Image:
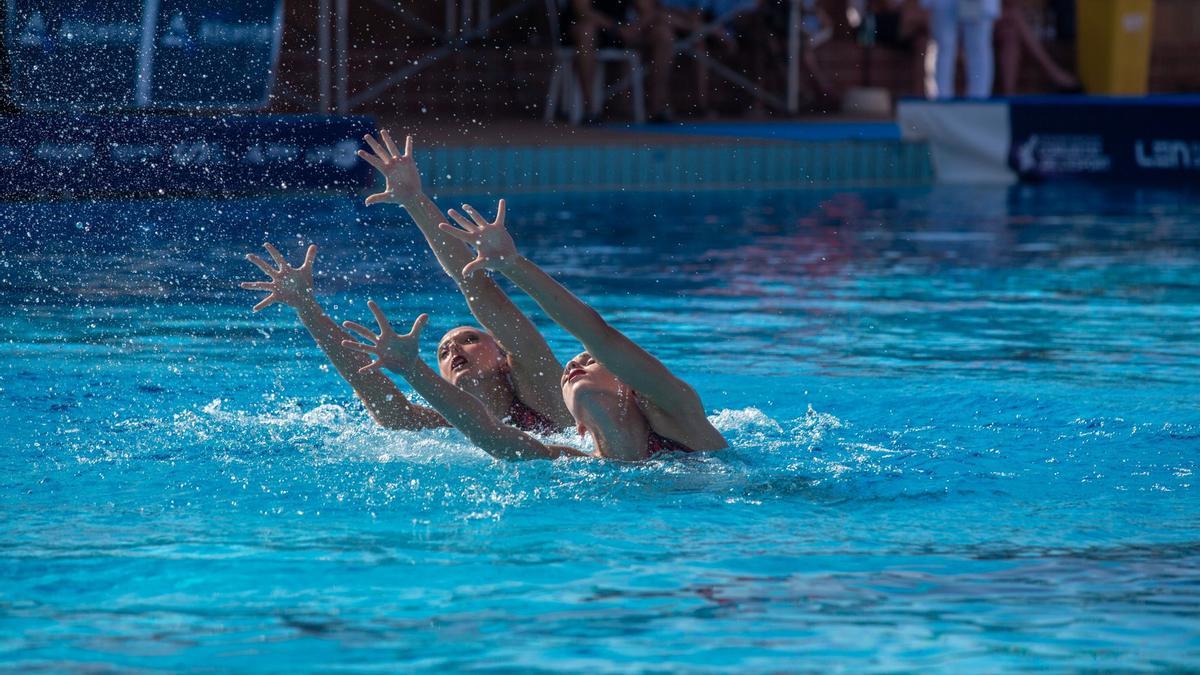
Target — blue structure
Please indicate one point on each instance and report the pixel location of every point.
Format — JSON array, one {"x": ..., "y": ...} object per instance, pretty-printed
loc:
[
  {"x": 163, "y": 154},
  {"x": 1149, "y": 139},
  {"x": 92, "y": 81},
  {"x": 163, "y": 54}
]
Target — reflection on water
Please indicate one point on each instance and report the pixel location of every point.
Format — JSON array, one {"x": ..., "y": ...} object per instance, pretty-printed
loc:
[{"x": 963, "y": 428}]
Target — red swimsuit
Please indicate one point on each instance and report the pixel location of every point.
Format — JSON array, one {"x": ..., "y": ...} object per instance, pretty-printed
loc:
[
  {"x": 525, "y": 418},
  {"x": 656, "y": 444}
]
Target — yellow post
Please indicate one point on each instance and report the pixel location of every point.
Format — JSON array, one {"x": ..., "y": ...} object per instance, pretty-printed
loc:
[{"x": 1113, "y": 45}]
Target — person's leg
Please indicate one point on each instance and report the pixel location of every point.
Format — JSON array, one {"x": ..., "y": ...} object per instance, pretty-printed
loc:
[
  {"x": 822, "y": 90},
  {"x": 1008, "y": 53},
  {"x": 683, "y": 23},
  {"x": 702, "y": 98},
  {"x": 944, "y": 26},
  {"x": 660, "y": 41},
  {"x": 755, "y": 35},
  {"x": 654, "y": 37},
  {"x": 701, "y": 49},
  {"x": 977, "y": 46},
  {"x": 585, "y": 33},
  {"x": 914, "y": 30},
  {"x": 1023, "y": 37}
]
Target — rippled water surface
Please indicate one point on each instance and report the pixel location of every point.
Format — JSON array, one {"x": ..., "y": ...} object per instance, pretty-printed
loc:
[{"x": 964, "y": 424}]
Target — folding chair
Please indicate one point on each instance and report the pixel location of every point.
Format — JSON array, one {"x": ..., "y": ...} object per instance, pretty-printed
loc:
[{"x": 565, "y": 92}]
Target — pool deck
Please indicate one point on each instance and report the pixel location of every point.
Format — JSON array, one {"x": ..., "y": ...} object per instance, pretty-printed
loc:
[
  {"x": 534, "y": 132},
  {"x": 528, "y": 156},
  {"x": 264, "y": 153}
]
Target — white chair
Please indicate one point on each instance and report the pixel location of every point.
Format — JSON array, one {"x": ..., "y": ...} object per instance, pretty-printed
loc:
[{"x": 565, "y": 92}]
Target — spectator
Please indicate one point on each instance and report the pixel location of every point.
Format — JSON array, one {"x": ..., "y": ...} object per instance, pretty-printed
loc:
[
  {"x": 903, "y": 25},
  {"x": 765, "y": 26},
  {"x": 688, "y": 17},
  {"x": 759, "y": 28},
  {"x": 640, "y": 24},
  {"x": 816, "y": 28},
  {"x": 1013, "y": 37},
  {"x": 974, "y": 19},
  {"x": 704, "y": 25}
]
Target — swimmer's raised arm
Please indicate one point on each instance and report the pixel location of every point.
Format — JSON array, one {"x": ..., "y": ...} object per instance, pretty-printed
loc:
[
  {"x": 535, "y": 370},
  {"x": 626, "y": 359},
  {"x": 293, "y": 286},
  {"x": 399, "y": 353}
]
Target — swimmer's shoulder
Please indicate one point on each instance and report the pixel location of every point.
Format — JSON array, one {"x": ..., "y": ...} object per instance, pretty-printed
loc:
[{"x": 690, "y": 428}]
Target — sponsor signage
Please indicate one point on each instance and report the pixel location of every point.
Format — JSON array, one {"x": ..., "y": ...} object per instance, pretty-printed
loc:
[
  {"x": 106, "y": 55},
  {"x": 1147, "y": 139},
  {"x": 215, "y": 53},
  {"x": 167, "y": 154},
  {"x": 73, "y": 55}
]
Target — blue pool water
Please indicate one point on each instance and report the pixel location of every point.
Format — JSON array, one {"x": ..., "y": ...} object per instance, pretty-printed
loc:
[{"x": 964, "y": 424}]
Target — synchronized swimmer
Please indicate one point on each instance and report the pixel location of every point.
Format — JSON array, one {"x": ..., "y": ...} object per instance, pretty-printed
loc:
[{"x": 495, "y": 385}]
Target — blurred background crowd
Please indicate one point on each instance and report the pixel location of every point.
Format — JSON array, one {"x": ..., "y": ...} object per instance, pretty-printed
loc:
[{"x": 586, "y": 61}]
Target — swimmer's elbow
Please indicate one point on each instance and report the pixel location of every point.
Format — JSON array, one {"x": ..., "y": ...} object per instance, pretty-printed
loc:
[
  {"x": 404, "y": 424},
  {"x": 711, "y": 440},
  {"x": 386, "y": 418},
  {"x": 580, "y": 318},
  {"x": 510, "y": 453},
  {"x": 601, "y": 334},
  {"x": 412, "y": 418},
  {"x": 517, "y": 449}
]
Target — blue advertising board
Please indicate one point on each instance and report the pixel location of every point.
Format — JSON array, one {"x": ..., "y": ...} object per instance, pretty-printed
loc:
[
  {"x": 78, "y": 155},
  {"x": 1143, "y": 139},
  {"x": 1151, "y": 139},
  {"x": 67, "y": 55},
  {"x": 214, "y": 53},
  {"x": 106, "y": 55}
]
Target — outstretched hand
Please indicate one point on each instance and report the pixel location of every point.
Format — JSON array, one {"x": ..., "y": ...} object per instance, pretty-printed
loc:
[
  {"x": 289, "y": 285},
  {"x": 494, "y": 246},
  {"x": 403, "y": 181},
  {"x": 391, "y": 350}
]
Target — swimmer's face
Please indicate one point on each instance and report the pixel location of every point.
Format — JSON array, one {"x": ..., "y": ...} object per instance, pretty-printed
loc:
[
  {"x": 467, "y": 352},
  {"x": 584, "y": 376}
]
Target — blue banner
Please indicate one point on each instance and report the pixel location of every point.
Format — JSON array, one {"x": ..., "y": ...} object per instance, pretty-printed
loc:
[
  {"x": 69, "y": 55},
  {"x": 1154, "y": 139},
  {"x": 214, "y": 53},
  {"x": 50, "y": 155},
  {"x": 106, "y": 55}
]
